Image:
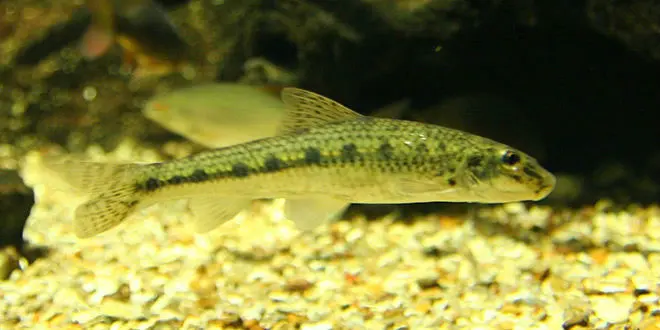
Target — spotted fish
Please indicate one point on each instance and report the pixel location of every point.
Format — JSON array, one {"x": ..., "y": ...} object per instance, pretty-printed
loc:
[{"x": 323, "y": 158}]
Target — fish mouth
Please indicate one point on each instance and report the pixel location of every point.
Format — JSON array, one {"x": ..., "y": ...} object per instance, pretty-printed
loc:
[{"x": 546, "y": 186}]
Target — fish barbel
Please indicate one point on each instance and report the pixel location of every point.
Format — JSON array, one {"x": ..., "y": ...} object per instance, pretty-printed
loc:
[{"x": 324, "y": 157}]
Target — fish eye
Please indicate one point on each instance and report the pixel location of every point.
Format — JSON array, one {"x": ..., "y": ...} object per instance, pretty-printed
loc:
[{"x": 511, "y": 158}]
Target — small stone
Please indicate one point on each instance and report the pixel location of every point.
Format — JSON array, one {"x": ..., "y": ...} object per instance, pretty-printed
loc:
[
  {"x": 279, "y": 296},
  {"x": 253, "y": 312},
  {"x": 120, "y": 310},
  {"x": 85, "y": 316},
  {"x": 610, "y": 310},
  {"x": 649, "y": 298},
  {"x": 609, "y": 286},
  {"x": 515, "y": 208},
  {"x": 428, "y": 279},
  {"x": 649, "y": 324},
  {"x": 316, "y": 326}
]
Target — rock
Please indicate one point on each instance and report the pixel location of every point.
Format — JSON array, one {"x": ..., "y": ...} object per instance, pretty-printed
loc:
[
  {"x": 16, "y": 201},
  {"x": 8, "y": 261},
  {"x": 632, "y": 22}
]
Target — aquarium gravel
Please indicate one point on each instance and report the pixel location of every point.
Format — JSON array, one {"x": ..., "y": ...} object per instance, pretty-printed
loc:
[{"x": 512, "y": 266}]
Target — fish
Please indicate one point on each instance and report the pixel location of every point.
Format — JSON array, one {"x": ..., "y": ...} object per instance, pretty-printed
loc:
[
  {"x": 323, "y": 158},
  {"x": 221, "y": 114},
  {"x": 151, "y": 43},
  {"x": 217, "y": 115}
]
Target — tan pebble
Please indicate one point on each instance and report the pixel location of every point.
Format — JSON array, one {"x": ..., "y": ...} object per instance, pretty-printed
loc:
[
  {"x": 295, "y": 319},
  {"x": 609, "y": 309},
  {"x": 605, "y": 285},
  {"x": 510, "y": 309},
  {"x": 506, "y": 325},
  {"x": 599, "y": 255},
  {"x": 448, "y": 222},
  {"x": 650, "y": 324},
  {"x": 207, "y": 302},
  {"x": 575, "y": 316},
  {"x": 298, "y": 285},
  {"x": 279, "y": 296},
  {"x": 423, "y": 307},
  {"x": 252, "y": 325},
  {"x": 120, "y": 310},
  {"x": 515, "y": 208},
  {"x": 636, "y": 316},
  {"x": 58, "y": 319},
  {"x": 317, "y": 326},
  {"x": 649, "y": 298},
  {"x": 641, "y": 282}
]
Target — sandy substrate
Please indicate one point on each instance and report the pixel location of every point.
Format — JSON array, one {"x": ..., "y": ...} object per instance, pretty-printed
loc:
[{"x": 502, "y": 267}]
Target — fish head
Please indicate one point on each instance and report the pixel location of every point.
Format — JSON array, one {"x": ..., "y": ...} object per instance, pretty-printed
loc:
[{"x": 501, "y": 174}]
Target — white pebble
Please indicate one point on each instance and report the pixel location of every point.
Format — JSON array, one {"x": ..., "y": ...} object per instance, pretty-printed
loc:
[
  {"x": 316, "y": 326},
  {"x": 610, "y": 310}
]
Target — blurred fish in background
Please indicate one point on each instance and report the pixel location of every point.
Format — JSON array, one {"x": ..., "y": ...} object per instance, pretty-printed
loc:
[{"x": 218, "y": 114}]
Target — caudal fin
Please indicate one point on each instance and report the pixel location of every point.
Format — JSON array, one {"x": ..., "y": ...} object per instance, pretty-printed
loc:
[{"x": 112, "y": 188}]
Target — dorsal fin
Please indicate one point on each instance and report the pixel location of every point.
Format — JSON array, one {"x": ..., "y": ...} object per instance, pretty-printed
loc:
[{"x": 305, "y": 109}]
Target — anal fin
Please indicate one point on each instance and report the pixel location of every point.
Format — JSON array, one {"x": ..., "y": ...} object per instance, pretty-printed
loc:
[
  {"x": 212, "y": 211},
  {"x": 310, "y": 213}
]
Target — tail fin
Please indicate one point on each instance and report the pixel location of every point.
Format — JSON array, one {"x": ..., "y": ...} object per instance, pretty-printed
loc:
[{"x": 112, "y": 188}]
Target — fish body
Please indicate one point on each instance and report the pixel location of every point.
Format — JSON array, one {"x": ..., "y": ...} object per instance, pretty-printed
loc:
[
  {"x": 218, "y": 114},
  {"x": 324, "y": 157}
]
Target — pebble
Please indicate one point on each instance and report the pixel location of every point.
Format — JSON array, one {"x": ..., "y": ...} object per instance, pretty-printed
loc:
[
  {"x": 610, "y": 309},
  {"x": 121, "y": 310},
  {"x": 316, "y": 326}
]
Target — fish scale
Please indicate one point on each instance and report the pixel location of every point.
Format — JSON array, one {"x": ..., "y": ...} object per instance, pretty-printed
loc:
[{"x": 325, "y": 157}]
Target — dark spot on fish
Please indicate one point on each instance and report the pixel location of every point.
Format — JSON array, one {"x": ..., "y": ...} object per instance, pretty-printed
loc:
[
  {"x": 532, "y": 173},
  {"x": 198, "y": 175},
  {"x": 518, "y": 178},
  {"x": 421, "y": 148},
  {"x": 240, "y": 170},
  {"x": 474, "y": 161},
  {"x": 386, "y": 151},
  {"x": 349, "y": 152},
  {"x": 451, "y": 182},
  {"x": 273, "y": 164},
  {"x": 442, "y": 146},
  {"x": 300, "y": 130},
  {"x": 451, "y": 169},
  {"x": 177, "y": 179},
  {"x": 312, "y": 156},
  {"x": 152, "y": 184}
]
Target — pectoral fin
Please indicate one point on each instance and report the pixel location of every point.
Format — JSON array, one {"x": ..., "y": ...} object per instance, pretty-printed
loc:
[
  {"x": 212, "y": 211},
  {"x": 308, "y": 214}
]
